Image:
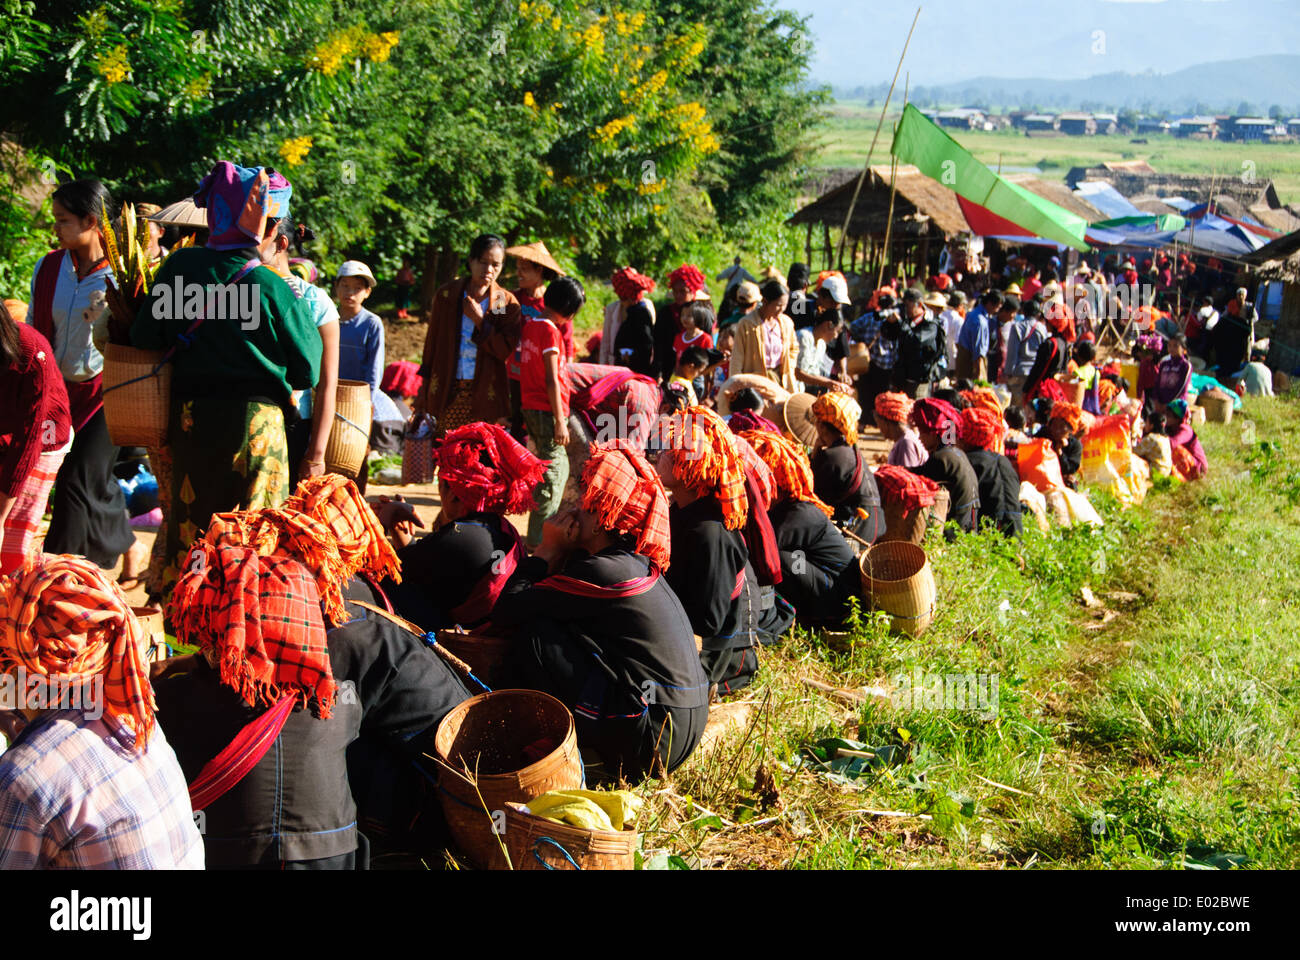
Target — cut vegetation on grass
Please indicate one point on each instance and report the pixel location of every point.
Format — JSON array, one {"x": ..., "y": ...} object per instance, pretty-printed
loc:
[{"x": 1129, "y": 693}]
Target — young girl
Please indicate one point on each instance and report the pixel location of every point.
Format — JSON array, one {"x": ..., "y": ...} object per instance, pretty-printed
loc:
[
  {"x": 1188, "y": 454},
  {"x": 89, "y": 509},
  {"x": 892, "y": 413}
]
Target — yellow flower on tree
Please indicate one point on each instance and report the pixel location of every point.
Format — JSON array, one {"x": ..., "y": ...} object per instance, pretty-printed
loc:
[
  {"x": 377, "y": 46},
  {"x": 529, "y": 101},
  {"x": 114, "y": 66},
  {"x": 294, "y": 150},
  {"x": 329, "y": 55}
]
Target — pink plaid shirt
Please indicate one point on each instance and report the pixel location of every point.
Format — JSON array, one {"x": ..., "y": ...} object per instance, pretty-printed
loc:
[{"x": 74, "y": 796}]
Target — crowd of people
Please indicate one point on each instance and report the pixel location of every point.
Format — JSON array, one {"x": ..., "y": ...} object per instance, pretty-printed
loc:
[{"x": 730, "y": 499}]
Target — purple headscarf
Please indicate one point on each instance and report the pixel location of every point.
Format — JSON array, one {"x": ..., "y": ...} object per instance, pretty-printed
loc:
[
  {"x": 239, "y": 201},
  {"x": 749, "y": 420}
]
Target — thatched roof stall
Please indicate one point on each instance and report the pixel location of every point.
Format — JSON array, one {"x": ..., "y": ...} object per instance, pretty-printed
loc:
[{"x": 924, "y": 211}]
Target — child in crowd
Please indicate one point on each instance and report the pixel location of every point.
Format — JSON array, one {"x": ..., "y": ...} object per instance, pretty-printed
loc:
[
  {"x": 405, "y": 281},
  {"x": 1184, "y": 446},
  {"x": 936, "y": 424},
  {"x": 696, "y": 321},
  {"x": 1015, "y": 436},
  {"x": 545, "y": 394},
  {"x": 361, "y": 333},
  {"x": 892, "y": 413},
  {"x": 691, "y": 363},
  {"x": 1064, "y": 425},
  {"x": 721, "y": 372}
]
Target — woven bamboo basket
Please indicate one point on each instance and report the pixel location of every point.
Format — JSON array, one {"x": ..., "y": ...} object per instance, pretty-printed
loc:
[
  {"x": 136, "y": 400},
  {"x": 897, "y": 578},
  {"x": 910, "y": 526},
  {"x": 1074, "y": 390},
  {"x": 484, "y": 652},
  {"x": 479, "y": 747},
  {"x": 536, "y": 843},
  {"x": 1218, "y": 406},
  {"x": 345, "y": 451}
]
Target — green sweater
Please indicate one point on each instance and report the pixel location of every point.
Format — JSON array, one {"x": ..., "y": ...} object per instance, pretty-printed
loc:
[{"x": 258, "y": 341}]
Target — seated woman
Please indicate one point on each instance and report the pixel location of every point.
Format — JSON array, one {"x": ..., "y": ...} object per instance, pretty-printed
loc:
[
  {"x": 892, "y": 413},
  {"x": 1184, "y": 446},
  {"x": 979, "y": 434},
  {"x": 818, "y": 573},
  {"x": 263, "y": 686},
  {"x": 1064, "y": 426},
  {"x": 936, "y": 424},
  {"x": 601, "y": 629},
  {"x": 841, "y": 477},
  {"x": 704, "y": 471},
  {"x": 455, "y": 574}
]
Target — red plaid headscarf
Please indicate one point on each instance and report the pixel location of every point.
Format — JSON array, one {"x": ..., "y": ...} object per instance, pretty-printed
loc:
[
  {"x": 1050, "y": 388},
  {"x": 283, "y": 532},
  {"x": 708, "y": 460},
  {"x": 935, "y": 415},
  {"x": 839, "y": 410},
  {"x": 259, "y": 618},
  {"x": 628, "y": 284},
  {"x": 624, "y": 493},
  {"x": 488, "y": 469},
  {"x": 691, "y": 276},
  {"x": 62, "y": 617},
  {"x": 789, "y": 465},
  {"x": 902, "y": 486},
  {"x": 896, "y": 407},
  {"x": 336, "y": 502},
  {"x": 981, "y": 427},
  {"x": 1071, "y": 413}
]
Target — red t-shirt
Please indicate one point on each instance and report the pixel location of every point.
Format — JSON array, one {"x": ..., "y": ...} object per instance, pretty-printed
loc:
[
  {"x": 700, "y": 339},
  {"x": 541, "y": 337}
]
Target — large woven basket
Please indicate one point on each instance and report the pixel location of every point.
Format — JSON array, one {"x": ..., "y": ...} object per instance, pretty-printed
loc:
[
  {"x": 136, "y": 399},
  {"x": 479, "y": 752},
  {"x": 1217, "y": 404},
  {"x": 897, "y": 578},
  {"x": 345, "y": 451},
  {"x": 484, "y": 652},
  {"x": 536, "y": 843}
]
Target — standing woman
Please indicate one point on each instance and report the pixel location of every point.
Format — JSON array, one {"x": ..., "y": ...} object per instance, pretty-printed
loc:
[
  {"x": 765, "y": 343},
  {"x": 632, "y": 347},
  {"x": 35, "y": 432},
  {"x": 89, "y": 509},
  {"x": 534, "y": 268},
  {"x": 472, "y": 336}
]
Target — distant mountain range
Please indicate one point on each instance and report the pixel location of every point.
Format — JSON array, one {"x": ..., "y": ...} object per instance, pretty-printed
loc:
[{"x": 1259, "y": 83}]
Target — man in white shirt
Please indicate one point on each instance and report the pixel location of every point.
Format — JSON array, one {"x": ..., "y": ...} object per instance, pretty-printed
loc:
[
  {"x": 952, "y": 319},
  {"x": 734, "y": 275}
]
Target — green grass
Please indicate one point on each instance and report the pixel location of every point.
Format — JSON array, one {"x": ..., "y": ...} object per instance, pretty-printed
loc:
[
  {"x": 850, "y": 125},
  {"x": 1166, "y": 738}
]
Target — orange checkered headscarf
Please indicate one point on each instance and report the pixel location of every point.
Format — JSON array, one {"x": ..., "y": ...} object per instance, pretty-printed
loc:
[
  {"x": 624, "y": 493},
  {"x": 1071, "y": 413},
  {"x": 61, "y": 617},
  {"x": 707, "y": 460},
  {"x": 789, "y": 466},
  {"x": 983, "y": 397},
  {"x": 839, "y": 410},
  {"x": 488, "y": 469},
  {"x": 896, "y": 407},
  {"x": 982, "y": 428},
  {"x": 759, "y": 471},
  {"x": 259, "y": 619},
  {"x": 1107, "y": 391},
  {"x": 336, "y": 502},
  {"x": 276, "y": 531}
]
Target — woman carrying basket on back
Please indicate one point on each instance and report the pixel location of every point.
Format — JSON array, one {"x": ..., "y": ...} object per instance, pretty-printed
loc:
[{"x": 235, "y": 366}]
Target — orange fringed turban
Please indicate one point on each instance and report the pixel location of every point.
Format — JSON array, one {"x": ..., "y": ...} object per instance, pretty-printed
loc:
[
  {"x": 706, "y": 459},
  {"x": 789, "y": 466},
  {"x": 624, "y": 493}
]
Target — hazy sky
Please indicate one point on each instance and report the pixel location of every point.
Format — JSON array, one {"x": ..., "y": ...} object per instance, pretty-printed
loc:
[{"x": 858, "y": 41}]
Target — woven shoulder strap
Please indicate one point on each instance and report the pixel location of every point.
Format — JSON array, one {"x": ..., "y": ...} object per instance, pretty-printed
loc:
[{"x": 453, "y": 661}]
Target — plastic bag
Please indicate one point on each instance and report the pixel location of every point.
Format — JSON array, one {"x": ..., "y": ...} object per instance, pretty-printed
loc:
[
  {"x": 1154, "y": 449},
  {"x": 1038, "y": 464}
]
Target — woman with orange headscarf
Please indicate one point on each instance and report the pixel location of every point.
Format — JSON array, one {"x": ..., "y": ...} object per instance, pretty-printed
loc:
[
  {"x": 598, "y": 627},
  {"x": 89, "y": 780},
  {"x": 841, "y": 476},
  {"x": 703, "y": 469},
  {"x": 817, "y": 570}
]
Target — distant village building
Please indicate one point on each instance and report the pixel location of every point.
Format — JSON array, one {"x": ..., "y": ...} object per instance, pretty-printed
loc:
[
  {"x": 1039, "y": 123},
  {"x": 1152, "y": 125},
  {"x": 1077, "y": 124},
  {"x": 1293, "y": 127},
  {"x": 1199, "y": 127},
  {"x": 965, "y": 118},
  {"x": 1107, "y": 123},
  {"x": 1252, "y": 128}
]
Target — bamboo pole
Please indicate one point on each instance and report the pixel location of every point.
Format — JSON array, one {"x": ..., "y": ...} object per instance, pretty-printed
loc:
[
  {"x": 866, "y": 167},
  {"x": 889, "y": 221}
]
